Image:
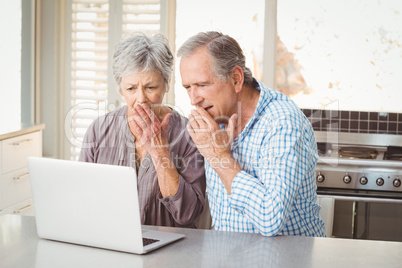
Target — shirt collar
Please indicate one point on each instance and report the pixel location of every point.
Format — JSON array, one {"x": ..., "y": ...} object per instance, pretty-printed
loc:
[{"x": 263, "y": 101}]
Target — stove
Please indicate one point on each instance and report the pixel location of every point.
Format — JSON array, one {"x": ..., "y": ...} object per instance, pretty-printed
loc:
[
  {"x": 359, "y": 176},
  {"x": 359, "y": 166}
]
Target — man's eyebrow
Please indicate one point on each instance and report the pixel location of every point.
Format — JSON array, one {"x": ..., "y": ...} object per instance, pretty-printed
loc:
[{"x": 199, "y": 83}]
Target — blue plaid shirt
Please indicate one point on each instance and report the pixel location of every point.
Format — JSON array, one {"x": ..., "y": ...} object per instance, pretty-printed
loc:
[{"x": 275, "y": 193}]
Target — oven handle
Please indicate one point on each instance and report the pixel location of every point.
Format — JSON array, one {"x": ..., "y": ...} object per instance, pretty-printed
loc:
[{"x": 363, "y": 199}]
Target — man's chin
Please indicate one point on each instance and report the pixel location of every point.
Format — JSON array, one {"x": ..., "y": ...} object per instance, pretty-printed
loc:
[{"x": 222, "y": 119}]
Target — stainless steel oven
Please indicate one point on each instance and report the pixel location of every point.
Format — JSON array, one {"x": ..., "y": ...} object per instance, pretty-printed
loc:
[{"x": 363, "y": 174}]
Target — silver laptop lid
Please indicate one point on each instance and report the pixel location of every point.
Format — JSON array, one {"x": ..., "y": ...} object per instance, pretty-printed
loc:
[{"x": 86, "y": 203}]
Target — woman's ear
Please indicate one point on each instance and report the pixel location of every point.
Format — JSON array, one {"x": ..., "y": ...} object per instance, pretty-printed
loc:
[{"x": 237, "y": 78}]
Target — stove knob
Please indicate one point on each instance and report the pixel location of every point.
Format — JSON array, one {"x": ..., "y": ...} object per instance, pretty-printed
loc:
[
  {"x": 363, "y": 180},
  {"x": 380, "y": 181},
  {"x": 397, "y": 182},
  {"x": 320, "y": 177},
  {"x": 347, "y": 179}
]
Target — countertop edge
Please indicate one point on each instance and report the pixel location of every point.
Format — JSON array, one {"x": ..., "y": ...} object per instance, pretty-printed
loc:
[{"x": 25, "y": 129}]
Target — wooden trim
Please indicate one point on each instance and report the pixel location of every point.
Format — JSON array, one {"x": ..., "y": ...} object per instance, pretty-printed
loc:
[{"x": 270, "y": 43}]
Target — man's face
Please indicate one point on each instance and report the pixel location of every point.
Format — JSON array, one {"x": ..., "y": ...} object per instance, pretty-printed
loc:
[{"x": 205, "y": 89}]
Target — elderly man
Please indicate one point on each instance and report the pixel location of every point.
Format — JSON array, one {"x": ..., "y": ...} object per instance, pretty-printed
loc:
[{"x": 259, "y": 148}]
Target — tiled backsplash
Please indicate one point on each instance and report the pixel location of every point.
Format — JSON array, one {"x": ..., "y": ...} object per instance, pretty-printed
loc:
[{"x": 355, "y": 122}]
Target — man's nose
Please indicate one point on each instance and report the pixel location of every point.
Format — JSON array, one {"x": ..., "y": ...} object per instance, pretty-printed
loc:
[{"x": 194, "y": 97}]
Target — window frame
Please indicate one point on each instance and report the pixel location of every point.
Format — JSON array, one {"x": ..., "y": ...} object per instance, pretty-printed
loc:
[{"x": 52, "y": 107}]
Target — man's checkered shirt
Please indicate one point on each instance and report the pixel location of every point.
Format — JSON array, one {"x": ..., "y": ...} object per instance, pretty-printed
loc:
[{"x": 275, "y": 193}]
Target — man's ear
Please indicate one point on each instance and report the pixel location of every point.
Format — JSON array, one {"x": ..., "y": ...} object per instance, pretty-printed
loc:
[{"x": 237, "y": 78}]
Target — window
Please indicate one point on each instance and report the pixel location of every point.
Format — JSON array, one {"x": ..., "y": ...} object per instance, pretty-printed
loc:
[
  {"x": 96, "y": 26},
  {"x": 244, "y": 22},
  {"x": 344, "y": 55},
  {"x": 17, "y": 27},
  {"x": 10, "y": 55}
]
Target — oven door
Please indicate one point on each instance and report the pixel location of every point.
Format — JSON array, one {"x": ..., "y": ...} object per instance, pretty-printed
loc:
[{"x": 365, "y": 214}]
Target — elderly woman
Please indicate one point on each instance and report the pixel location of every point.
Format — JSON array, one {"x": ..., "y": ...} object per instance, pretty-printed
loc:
[{"x": 150, "y": 136}]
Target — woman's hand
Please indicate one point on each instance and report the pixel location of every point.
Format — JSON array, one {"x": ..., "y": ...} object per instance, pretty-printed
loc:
[{"x": 152, "y": 133}]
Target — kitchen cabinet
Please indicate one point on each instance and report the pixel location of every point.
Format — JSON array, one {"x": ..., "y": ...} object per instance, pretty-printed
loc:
[{"x": 15, "y": 148}]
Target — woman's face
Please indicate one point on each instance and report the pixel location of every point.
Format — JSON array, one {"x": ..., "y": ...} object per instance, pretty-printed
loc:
[{"x": 143, "y": 88}]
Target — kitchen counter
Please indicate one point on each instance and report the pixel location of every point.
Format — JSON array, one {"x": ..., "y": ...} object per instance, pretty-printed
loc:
[
  {"x": 9, "y": 131},
  {"x": 21, "y": 247}
]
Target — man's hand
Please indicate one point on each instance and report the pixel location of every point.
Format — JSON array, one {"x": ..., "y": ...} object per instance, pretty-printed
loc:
[
  {"x": 210, "y": 139},
  {"x": 215, "y": 144}
]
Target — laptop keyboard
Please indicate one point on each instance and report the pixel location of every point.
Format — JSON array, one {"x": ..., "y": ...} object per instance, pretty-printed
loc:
[{"x": 148, "y": 241}]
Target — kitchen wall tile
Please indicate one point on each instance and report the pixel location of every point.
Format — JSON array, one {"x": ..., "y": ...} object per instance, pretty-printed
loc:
[
  {"x": 345, "y": 124},
  {"x": 307, "y": 112},
  {"x": 373, "y": 126},
  {"x": 392, "y": 127},
  {"x": 335, "y": 123},
  {"x": 363, "y": 125},
  {"x": 335, "y": 114},
  {"x": 355, "y": 121},
  {"x": 382, "y": 127},
  {"x": 373, "y": 116},
  {"x": 399, "y": 127},
  {"x": 316, "y": 125},
  {"x": 354, "y": 125},
  {"x": 364, "y": 115},
  {"x": 316, "y": 114},
  {"x": 383, "y": 116},
  {"x": 393, "y": 117},
  {"x": 345, "y": 115}
]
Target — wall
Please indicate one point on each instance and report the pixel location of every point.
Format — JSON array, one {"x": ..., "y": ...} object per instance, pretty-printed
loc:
[{"x": 49, "y": 95}]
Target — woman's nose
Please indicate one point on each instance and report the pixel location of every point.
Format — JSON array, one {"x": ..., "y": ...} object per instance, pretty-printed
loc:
[{"x": 142, "y": 97}]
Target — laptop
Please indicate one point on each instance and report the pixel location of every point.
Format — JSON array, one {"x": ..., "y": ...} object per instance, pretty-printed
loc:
[{"x": 91, "y": 204}]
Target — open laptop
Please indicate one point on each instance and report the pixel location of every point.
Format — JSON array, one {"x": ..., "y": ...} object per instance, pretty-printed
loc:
[{"x": 91, "y": 204}]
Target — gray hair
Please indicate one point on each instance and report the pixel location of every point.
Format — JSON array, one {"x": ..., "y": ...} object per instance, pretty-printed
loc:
[
  {"x": 225, "y": 53},
  {"x": 138, "y": 52}
]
